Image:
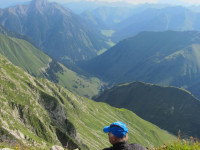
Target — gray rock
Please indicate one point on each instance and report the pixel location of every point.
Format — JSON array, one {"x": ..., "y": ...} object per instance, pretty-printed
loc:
[{"x": 56, "y": 147}]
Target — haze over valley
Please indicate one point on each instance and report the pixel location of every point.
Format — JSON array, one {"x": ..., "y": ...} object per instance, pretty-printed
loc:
[{"x": 69, "y": 68}]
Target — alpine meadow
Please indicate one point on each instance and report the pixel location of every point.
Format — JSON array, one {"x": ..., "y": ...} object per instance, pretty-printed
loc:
[{"x": 69, "y": 69}]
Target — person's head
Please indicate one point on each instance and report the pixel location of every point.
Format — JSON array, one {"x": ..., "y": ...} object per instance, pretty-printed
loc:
[{"x": 117, "y": 132}]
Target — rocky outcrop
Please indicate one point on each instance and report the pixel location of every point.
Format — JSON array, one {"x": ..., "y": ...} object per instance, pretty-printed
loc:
[
  {"x": 56, "y": 147},
  {"x": 31, "y": 114}
]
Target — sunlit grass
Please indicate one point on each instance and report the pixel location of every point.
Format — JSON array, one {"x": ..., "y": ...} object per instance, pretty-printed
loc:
[
  {"x": 181, "y": 144},
  {"x": 107, "y": 33}
]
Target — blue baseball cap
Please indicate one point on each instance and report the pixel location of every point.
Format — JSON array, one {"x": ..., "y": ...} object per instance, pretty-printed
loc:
[{"x": 118, "y": 129}]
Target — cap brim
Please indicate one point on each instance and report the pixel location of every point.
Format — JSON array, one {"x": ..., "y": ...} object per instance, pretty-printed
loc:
[{"x": 106, "y": 129}]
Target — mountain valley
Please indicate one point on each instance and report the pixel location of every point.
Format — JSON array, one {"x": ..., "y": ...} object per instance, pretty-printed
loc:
[
  {"x": 65, "y": 73},
  {"x": 35, "y": 62}
]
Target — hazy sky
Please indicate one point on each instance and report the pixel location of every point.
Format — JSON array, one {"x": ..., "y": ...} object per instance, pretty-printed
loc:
[
  {"x": 140, "y": 1},
  {"x": 4, "y": 3}
]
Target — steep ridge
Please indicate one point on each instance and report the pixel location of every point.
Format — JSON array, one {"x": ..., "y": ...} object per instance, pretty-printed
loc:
[
  {"x": 170, "y": 108},
  {"x": 58, "y": 32},
  {"x": 25, "y": 113},
  {"x": 175, "y": 18},
  {"x": 40, "y": 113},
  {"x": 164, "y": 58},
  {"x": 38, "y": 64}
]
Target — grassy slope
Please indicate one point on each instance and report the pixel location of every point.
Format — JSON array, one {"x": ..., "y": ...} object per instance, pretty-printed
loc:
[
  {"x": 23, "y": 54},
  {"x": 191, "y": 144},
  {"x": 97, "y": 115},
  {"x": 78, "y": 84},
  {"x": 35, "y": 62},
  {"x": 42, "y": 100}
]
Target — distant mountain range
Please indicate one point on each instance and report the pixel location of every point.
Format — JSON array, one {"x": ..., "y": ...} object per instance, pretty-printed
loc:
[
  {"x": 107, "y": 17},
  {"x": 129, "y": 21},
  {"x": 170, "y": 18},
  {"x": 165, "y": 58},
  {"x": 170, "y": 108},
  {"x": 55, "y": 29},
  {"x": 38, "y": 114},
  {"x": 79, "y": 7}
]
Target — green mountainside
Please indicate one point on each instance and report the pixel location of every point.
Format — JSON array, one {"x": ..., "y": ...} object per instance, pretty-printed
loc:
[
  {"x": 23, "y": 54},
  {"x": 165, "y": 58},
  {"x": 40, "y": 113},
  {"x": 58, "y": 32},
  {"x": 36, "y": 63},
  {"x": 170, "y": 108}
]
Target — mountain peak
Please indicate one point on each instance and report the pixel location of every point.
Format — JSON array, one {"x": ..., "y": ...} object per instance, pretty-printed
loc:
[{"x": 39, "y": 3}]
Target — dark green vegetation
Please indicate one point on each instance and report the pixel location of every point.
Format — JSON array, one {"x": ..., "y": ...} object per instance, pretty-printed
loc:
[
  {"x": 165, "y": 58},
  {"x": 58, "y": 32},
  {"x": 170, "y": 108},
  {"x": 38, "y": 64},
  {"x": 40, "y": 113}
]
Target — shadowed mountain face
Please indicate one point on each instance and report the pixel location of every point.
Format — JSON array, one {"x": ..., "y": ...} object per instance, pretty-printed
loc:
[
  {"x": 170, "y": 108},
  {"x": 60, "y": 33},
  {"x": 165, "y": 58}
]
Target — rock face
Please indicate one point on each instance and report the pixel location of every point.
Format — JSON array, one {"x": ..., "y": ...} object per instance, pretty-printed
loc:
[{"x": 56, "y": 147}]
